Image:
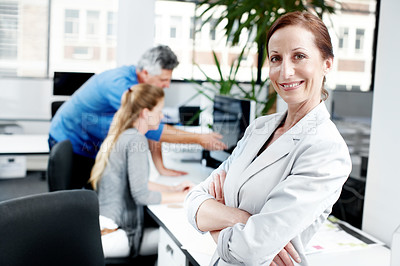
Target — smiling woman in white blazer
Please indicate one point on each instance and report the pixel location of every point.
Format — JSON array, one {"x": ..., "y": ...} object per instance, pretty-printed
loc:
[{"x": 288, "y": 169}]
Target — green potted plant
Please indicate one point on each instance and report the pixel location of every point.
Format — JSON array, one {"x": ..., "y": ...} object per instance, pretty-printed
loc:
[
  {"x": 255, "y": 17},
  {"x": 228, "y": 85}
]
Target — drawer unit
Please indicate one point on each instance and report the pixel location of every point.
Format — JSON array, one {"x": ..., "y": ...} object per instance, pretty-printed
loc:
[
  {"x": 169, "y": 254},
  {"x": 12, "y": 166}
]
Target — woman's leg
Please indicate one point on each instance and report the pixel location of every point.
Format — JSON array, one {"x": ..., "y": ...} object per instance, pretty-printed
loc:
[{"x": 115, "y": 244}]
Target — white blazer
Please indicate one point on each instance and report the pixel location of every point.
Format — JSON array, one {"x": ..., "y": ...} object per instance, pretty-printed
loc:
[{"x": 289, "y": 189}]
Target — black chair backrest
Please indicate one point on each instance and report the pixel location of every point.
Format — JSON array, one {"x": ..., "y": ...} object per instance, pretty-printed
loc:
[
  {"x": 55, "y": 106},
  {"x": 60, "y": 165},
  {"x": 54, "y": 228}
]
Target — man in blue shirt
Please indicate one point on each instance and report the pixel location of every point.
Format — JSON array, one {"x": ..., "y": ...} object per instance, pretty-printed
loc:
[{"x": 86, "y": 117}]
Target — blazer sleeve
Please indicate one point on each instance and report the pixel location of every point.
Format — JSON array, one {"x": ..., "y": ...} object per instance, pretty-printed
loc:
[
  {"x": 296, "y": 203},
  {"x": 200, "y": 193}
]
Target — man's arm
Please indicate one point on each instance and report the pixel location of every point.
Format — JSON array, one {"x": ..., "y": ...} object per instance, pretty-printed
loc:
[
  {"x": 155, "y": 149},
  {"x": 210, "y": 141},
  {"x": 171, "y": 134}
]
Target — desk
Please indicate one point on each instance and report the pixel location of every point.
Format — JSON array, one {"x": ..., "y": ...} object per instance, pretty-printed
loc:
[
  {"x": 23, "y": 144},
  {"x": 175, "y": 229},
  {"x": 181, "y": 244}
]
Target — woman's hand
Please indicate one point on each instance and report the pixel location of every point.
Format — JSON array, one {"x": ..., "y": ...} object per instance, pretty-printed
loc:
[
  {"x": 213, "y": 214},
  {"x": 283, "y": 258},
  {"x": 185, "y": 186},
  {"x": 216, "y": 187}
]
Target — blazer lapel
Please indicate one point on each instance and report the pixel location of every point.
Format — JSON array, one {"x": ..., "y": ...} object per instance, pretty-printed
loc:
[
  {"x": 283, "y": 145},
  {"x": 278, "y": 149},
  {"x": 244, "y": 162},
  {"x": 254, "y": 143}
]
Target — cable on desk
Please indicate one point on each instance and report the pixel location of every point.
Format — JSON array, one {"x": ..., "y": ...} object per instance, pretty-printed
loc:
[{"x": 355, "y": 192}]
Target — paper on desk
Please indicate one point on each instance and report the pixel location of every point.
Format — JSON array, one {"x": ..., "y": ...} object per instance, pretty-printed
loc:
[
  {"x": 331, "y": 237},
  {"x": 204, "y": 244}
]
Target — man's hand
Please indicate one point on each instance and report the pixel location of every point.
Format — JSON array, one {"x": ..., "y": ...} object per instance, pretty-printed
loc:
[
  {"x": 212, "y": 142},
  {"x": 283, "y": 258}
]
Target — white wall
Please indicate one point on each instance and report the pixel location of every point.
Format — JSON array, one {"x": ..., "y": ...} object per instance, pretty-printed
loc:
[{"x": 381, "y": 209}]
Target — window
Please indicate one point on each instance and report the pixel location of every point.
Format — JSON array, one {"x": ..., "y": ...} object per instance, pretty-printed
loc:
[
  {"x": 341, "y": 87},
  {"x": 349, "y": 35},
  {"x": 195, "y": 25},
  {"x": 83, "y": 38},
  {"x": 343, "y": 38},
  {"x": 8, "y": 30},
  {"x": 192, "y": 27},
  {"x": 23, "y": 38},
  {"x": 213, "y": 29},
  {"x": 71, "y": 22},
  {"x": 352, "y": 30},
  {"x": 175, "y": 28},
  {"x": 359, "y": 40},
  {"x": 88, "y": 43},
  {"x": 172, "y": 32},
  {"x": 111, "y": 24},
  {"x": 92, "y": 22},
  {"x": 196, "y": 41},
  {"x": 81, "y": 52},
  {"x": 8, "y": 72}
]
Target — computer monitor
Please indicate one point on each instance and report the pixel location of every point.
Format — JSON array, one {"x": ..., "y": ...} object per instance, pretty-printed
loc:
[
  {"x": 231, "y": 117},
  {"x": 66, "y": 83}
]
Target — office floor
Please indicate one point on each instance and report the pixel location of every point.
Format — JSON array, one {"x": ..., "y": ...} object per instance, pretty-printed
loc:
[{"x": 33, "y": 183}]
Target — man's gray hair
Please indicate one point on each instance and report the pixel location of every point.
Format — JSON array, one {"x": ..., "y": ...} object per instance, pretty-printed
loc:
[{"x": 156, "y": 59}]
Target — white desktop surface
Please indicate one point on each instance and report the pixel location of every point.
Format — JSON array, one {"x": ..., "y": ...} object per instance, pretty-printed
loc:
[
  {"x": 200, "y": 248},
  {"x": 16, "y": 144},
  {"x": 370, "y": 256}
]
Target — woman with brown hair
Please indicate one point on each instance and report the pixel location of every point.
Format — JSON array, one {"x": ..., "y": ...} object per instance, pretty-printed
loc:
[
  {"x": 121, "y": 175},
  {"x": 281, "y": 181}
]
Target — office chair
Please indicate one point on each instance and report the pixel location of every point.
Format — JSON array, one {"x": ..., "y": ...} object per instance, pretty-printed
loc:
[
  {"x": 59, "y": 168},
  {"x": 53, "y": 228},
  {"x": 66, "y": 170}
]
